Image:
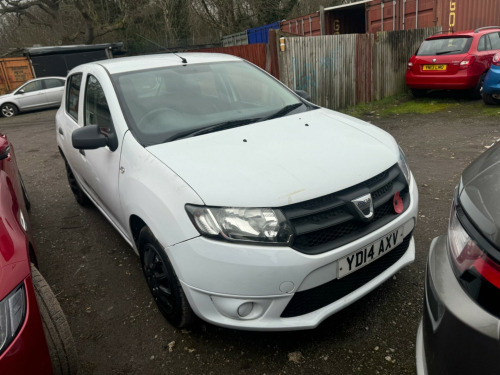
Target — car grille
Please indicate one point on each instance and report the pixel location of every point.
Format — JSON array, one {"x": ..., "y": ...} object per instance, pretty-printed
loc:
[
  {"x": 313, "y": 299},
  {"x": 328, "y": 222}
]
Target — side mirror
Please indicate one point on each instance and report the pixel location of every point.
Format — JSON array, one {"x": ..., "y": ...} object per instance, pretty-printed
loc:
[
  {"x": 88, "y": 138},
  {"x": 303, "y": 94},
  {"x": 20, "y": 92}
]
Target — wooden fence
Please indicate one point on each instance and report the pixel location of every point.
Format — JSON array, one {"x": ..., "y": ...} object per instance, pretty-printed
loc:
[{"x": 342, "y": 70}]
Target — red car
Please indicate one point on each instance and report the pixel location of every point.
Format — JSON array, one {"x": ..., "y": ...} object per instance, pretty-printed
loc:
[
  {"x": 34, "y": 334},
  {"x": 453, "y": 61}
]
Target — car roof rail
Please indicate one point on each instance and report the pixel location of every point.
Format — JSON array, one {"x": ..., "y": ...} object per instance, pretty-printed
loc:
[{"x": 486, "y": 27}]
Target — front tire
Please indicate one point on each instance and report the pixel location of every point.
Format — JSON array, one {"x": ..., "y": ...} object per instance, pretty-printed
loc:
[
  {"x": 163, "y": 282},
  {"x": 8, "y": 110},
  {"x": 475, "y": 93},
  {"x": 490, "y": 100},
  {"x": 62, "y": 348}
]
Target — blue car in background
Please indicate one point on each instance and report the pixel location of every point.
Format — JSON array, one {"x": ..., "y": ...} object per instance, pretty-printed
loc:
[{"x": 491, "y": 86}]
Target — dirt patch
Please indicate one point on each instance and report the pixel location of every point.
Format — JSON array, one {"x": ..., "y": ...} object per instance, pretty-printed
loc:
[{"x": 117, "y": 328}]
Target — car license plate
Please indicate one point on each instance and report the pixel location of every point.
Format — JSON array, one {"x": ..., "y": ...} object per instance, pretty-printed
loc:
[
  {"x": 369, "y": 253},
  {"x": 435, "y": 67}
]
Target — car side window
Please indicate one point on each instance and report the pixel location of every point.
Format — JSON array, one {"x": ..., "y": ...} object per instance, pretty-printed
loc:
[
  {"x": 51, "y": 83},
  {"x": 73, "y": 95},
  {"x": 96, "y": 107},
  {"x": 494, "y": 40},
  {"x": 481, "y": 46},
  {"x": 32, "y": 86}
]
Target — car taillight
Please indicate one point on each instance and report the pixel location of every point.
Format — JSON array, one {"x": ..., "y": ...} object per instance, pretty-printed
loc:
[
  {"x": 410, "y": 65},
  {"x": 476, "y": 270},
  {"x": 467, "y": 62},
  {"x": 496, "y": 59}
]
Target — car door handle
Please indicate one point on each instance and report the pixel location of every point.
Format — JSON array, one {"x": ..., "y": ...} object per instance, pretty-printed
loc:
[
  {"x": 82, "y": 152},
  {"x": 61, "y": 131}
]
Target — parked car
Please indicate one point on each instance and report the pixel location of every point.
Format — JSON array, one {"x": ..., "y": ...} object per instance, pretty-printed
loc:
[
  {"x": 249, "y": 206},
  {"x": 35, "y": 94},
  {"x": 459, "y": 332},
  {"x": 491, "y": 87},
  {"x": 453, "y": 61},
  {"x": 28, "y": 307}
]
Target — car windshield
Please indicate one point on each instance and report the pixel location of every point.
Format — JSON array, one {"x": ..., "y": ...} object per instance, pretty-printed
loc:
[
  {"x": 445, "y": 46},
  {"x": 169, "y": 103}
]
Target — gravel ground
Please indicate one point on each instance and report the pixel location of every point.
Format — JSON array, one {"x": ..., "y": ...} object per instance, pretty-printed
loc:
[{"x": 117, "y": 328}]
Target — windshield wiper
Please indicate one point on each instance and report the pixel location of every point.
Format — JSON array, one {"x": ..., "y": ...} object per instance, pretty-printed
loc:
[
  {"x": 283, "y": 111},
  {"x": 214, "y": 128},
  {"x": 453, "y": 50}
]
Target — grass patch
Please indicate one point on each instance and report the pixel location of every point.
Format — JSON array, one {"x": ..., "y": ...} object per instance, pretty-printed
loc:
[{"x": 402, "y": 104}]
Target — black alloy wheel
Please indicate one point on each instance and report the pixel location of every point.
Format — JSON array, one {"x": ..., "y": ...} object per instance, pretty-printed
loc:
[{"x": 163, "y": 282}]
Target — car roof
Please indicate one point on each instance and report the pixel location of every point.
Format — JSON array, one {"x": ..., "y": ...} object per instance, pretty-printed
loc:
[
  {"x": 466, "y": 33},
  {"x": 127, "y": 64}
]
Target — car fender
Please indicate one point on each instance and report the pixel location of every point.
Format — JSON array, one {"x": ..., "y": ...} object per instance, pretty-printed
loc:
[{"x": 153, "y": 192}]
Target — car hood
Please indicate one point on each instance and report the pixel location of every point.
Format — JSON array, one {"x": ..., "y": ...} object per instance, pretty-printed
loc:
[
  {"x": 480, "y": 189},
  {"x": 280, "y": 161}
]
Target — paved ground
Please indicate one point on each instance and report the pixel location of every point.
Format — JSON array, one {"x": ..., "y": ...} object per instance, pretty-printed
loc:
[{"x": 117, "y": 327}]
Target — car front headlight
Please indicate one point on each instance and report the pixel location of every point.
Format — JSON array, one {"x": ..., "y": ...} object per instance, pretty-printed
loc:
[
  {"x": 403, "y": 165},
  {"x": 12, "y": 313},
  {"x": 260, "y": 225}
]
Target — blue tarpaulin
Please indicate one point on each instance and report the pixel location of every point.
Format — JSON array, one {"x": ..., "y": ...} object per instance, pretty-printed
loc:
[{"x": 261, "y": 34}]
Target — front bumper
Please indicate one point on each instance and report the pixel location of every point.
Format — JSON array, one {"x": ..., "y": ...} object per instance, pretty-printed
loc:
[
  {"x": 28, "y": 352},
  {"x": 219, "y": 277},
  {"x": 457, "y": 336}
]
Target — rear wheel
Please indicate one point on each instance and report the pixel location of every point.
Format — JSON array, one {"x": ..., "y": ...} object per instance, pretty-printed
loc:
[
  {"x": 9, "y": 110},
  {"x": 163, "y": 282},
  {"x": 62, "y": 348},
  {"x": 80, "y": 196},
  {"x": 490, "y": 99},
  {"x": 418, "y": 93}
]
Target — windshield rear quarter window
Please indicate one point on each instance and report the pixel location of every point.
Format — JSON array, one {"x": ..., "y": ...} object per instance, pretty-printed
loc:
[
  {"x": 445, "y": 46},
  {"x": 73, "y": 95}
]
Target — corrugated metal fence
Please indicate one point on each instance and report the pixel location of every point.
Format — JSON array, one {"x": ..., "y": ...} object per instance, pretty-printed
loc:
[{"x": 342, "y": 70}]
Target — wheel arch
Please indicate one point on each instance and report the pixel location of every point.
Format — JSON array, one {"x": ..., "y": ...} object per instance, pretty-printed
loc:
[{"x": 136, "y": 224}]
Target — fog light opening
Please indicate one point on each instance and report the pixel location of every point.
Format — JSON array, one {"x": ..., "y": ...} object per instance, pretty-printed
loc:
[{"x": 245, "y": 309}]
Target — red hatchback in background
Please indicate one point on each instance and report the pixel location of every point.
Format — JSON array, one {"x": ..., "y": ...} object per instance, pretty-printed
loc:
[
  {"x": 34, "y": 335},
  {"x": 453, "y": 61}
]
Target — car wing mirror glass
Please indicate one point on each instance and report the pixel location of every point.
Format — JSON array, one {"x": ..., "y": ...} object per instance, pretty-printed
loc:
[
  {"x": 4, "y": 148},
  {"x": 20, "y": 92}
]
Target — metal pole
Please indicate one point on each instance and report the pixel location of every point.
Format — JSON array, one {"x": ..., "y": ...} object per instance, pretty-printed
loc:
[
  {"x": 404, "y": 10},
  {"x": 382, "y": 15},
  {"x": 393, "y": 15},
  {"x": 416, "y": 16}
]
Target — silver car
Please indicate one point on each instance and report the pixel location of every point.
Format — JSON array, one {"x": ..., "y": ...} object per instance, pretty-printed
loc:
[{"x": 35, "y": 94}]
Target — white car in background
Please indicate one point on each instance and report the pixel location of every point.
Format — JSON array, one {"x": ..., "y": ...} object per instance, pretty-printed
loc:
[
  {"x": 249, "y": 206},
  {"x": 35, "y": 94}
]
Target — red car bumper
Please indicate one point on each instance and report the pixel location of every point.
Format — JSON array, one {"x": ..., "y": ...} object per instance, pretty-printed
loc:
[
  {"x": 462, "y": 80},
  {"x": 28, "y": 352}
]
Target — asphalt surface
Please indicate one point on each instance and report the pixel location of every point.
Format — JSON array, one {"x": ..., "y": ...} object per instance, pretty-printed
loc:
[{"x": 117, "y": 327}]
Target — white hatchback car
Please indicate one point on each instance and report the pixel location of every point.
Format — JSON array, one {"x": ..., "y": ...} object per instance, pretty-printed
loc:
[
  {"x": 35, "y": 94},
  {"x": 249, "y": 206}
]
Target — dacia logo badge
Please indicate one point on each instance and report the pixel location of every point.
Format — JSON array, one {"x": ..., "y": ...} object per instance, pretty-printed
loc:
[{"x": 364, "y": 207}]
